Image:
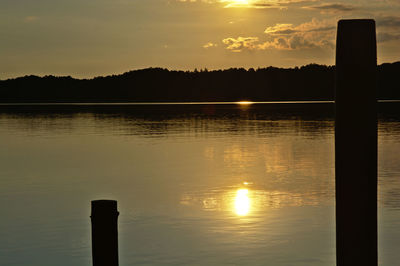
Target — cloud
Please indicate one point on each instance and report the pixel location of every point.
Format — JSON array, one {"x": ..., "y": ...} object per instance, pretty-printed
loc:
[
  {"x": 388, "y": 21},
  {"x": 255, "y": 4},
  {"x": 387, "y": 37},
  {"x": 241, "y": 43},
  {"x": 252, "y": 4},
  {"x": 30, "y": 19},
  {"x": 387, "y": 28},
  {"x": 332, "y": 7},
  {"x": 309, "y": 35},
  {"x": 295, "y": 42},
  {"x": 280, "y": 29},
  {"x": 279, "y": 43},
  {"x": 209, "y": 45}
]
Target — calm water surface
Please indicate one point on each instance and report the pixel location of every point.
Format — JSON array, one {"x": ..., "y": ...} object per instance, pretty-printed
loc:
[{"x": 196, "y": 184}]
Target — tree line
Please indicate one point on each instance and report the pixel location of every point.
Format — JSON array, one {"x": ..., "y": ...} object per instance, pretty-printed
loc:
[{"x": 310, "y": 82}]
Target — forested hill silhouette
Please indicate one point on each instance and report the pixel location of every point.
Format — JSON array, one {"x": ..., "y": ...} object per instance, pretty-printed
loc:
[{"x": 310, "y": 82}]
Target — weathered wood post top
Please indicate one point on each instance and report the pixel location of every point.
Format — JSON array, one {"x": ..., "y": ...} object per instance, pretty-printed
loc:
[
  {"x": 104, "y": 233},
  {"x": 356, "y": 143}
]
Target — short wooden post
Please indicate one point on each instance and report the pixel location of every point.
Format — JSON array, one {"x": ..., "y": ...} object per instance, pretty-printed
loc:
[
  {"x": 104, "y": 233},
  {"x": 356, "y": 143}
]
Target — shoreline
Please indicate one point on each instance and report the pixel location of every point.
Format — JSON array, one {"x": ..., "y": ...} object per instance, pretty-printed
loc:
[{"x": 175, "y": 103}]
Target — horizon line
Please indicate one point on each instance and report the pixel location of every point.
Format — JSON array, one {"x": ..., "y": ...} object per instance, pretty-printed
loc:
[
  {"x": 205, "y": 69},
  {"x": 177, "y": 103}
]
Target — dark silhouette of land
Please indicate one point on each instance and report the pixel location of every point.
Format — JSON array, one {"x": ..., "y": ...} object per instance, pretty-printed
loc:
[{"x": 310, "y": 82}]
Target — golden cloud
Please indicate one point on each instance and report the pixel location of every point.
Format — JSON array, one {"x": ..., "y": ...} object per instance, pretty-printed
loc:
[
  {"x": 332, "y": 8},
  {"x": 256, "y": 4},
  {"x": 284, "y": 36},
  {"x": 241, "y": 43},
  {"x": 209, "y": 45}
]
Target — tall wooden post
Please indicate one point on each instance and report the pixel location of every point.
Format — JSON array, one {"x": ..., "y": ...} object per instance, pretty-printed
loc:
[
  {"x": 356, "y": 143},
  {"x": 104, "y": 233}
]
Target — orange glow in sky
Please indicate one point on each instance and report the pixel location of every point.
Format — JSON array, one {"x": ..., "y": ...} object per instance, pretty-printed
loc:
[{"x": 83, "y": 39}]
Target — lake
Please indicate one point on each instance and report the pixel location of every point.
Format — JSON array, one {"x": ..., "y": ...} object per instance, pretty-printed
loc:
[{"x": 196, "y": 184}]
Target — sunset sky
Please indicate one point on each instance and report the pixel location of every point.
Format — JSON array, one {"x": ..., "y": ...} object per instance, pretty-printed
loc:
[{"x": 86, "y": 38}]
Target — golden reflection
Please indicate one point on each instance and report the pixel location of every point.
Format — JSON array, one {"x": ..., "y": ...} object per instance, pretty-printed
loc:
[
  {"x": 245, "y": 102},
  {"x": 246, "y": 198},
  {"x": 242, "y": 202}
]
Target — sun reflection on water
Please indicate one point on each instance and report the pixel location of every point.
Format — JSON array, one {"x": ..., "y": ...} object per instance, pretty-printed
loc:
[
  {"x": 244, "y": 102},
  {"x": 242, "y": 202}
]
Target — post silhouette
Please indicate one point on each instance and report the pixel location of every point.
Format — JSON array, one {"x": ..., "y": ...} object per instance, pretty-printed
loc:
[
  {"x": 356, "y": 143},
  {"x": 104, "y": 233}
]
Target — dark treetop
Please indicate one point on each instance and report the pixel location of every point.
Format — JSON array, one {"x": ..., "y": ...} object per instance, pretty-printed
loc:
[{"x": 310, "y": 82}]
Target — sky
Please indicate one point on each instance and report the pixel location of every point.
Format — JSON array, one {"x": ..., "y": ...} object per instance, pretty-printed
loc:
[{"x": 88, "y": 38}]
